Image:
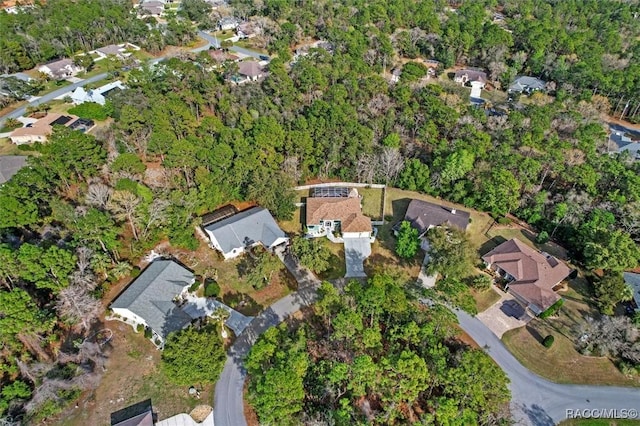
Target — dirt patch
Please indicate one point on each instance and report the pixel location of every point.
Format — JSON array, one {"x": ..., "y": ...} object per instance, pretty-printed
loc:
[{"x": 132, "y": 375}]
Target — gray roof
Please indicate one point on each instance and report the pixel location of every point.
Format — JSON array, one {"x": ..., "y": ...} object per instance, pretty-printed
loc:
[
  {"x": 9, "y": 166},
  {"x": 246, "y": 228},
  {"x": 424, "y": 215},
  {"x": 526, "y": 83},
  {"x": 633, "y": 280},
  {"x": 151, "y": 294}
]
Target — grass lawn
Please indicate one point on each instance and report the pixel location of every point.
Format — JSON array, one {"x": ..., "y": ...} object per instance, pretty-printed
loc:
[
  {"x": 599, "y": 422},
  {"x": 337, "y": 267},
  {"x": 561, "y": 363},
  {"x": 484, "y": 299},
  {"x": 8, "y": 148},
  {"x": 371, "y": 202},
  {"x": 132, "y": 375}
]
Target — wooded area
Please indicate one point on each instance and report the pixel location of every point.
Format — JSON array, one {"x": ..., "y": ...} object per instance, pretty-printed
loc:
[
  {"x": 184, "y": 142},
  {"x": 373, "y": 355}
]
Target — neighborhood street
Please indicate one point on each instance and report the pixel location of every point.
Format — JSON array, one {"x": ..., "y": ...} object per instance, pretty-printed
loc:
[
  {"x": 212, "y": 41},
  {"x": 535, "y": 401}
]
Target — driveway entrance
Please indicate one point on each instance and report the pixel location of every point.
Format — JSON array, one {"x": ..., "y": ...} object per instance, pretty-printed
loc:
[
  {"x": 356, "y": 250},
  {"x": 504, "y": 315}
]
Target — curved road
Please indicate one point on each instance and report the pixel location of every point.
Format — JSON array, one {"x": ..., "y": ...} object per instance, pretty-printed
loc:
[{"x": 534, "y": 400}]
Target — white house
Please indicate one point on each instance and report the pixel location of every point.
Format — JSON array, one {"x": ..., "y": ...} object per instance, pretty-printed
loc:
[
  {"x": 80, "y": 95},
  {"x": 60, "y": 69},
  {"x": 152, "y": 299},
  {"x": 234, "y": 234}
]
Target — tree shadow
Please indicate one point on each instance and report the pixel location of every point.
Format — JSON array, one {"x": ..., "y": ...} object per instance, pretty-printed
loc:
[
  {"x": 538, "y": 416},
  {"x": 534, "y": 333},
  {"x": 399, "y": 209},
  {"x": 491, "y": 244},
  {"x": 242, "y": 303}
]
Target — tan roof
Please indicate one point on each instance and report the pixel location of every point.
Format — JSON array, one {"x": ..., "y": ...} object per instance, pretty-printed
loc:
[
  {"x": 221, "y": 55},
  {"x": 345, "y": 209},
  {"x": 250, "y": 68},
  {"x": 535, "y": 274},
  {"x": 43, "y": 127}
]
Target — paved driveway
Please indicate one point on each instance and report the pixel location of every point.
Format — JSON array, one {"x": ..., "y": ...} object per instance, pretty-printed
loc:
[
  {"x": 356, "y": 250},
  {"x": 504, "y": 315}
]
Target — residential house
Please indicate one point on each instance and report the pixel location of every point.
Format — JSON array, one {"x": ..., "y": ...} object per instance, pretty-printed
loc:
[
  {"x": 468, "y": 76},
  {"x": 247, "y": 30},
  {"x": 119, "y": 51},
  {"x": 139, "y": 414},
  {"x": 250, "y": 71},
  {"x": 228, "y": 23},
  {"x": 152, "y": 298},
  {"x": 532, "y": 276},
  {"x": 9, "y": 166},
  {"x": 527, "y": 85},
  {"x": 60, "y": 69},
  {"x": 336, "y": 210},
  {"x": 220, "y": 56},
  {"x": 235, "y": 233},
  {"x": 620, "y": 142},
  {"x": 41, "y": 129},
  {"x": 151, "y": 8},
  {"x": 633, "y": 280},
  {"x": 99, "y": 95},
  {"x": 423, "y": 216}
]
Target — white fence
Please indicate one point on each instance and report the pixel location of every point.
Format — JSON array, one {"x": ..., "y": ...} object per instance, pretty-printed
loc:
[{"x": 339, "y": 184}]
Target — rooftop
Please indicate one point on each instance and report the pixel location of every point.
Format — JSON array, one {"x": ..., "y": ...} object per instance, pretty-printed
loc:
[
  {"x": 424, "y": 215},
  {"x": 250, "y": 69},
  {"x": 535, "y": 274},
  {"x": 151, "y": 294},
  {"x": 245, "y": 229},
  {"x": 344, "y": 209},
  {"x": 44, "y": 126}
]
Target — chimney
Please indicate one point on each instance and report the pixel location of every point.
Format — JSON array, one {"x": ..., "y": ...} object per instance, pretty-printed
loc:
[{"x": 453, "y": 211}]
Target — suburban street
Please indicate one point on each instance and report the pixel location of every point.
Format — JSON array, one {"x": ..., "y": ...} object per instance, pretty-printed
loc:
[
  {"x": 535, "y": 401},
  {"x": 212, "y": 41}
]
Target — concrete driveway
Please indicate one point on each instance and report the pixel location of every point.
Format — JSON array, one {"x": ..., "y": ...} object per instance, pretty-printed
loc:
[
  {"x": 356, "y": 250},
  {"x": 504, "y": 315}
]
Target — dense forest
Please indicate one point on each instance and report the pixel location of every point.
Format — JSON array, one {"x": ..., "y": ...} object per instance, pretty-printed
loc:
[
  {"x": 372, "y": 355},
  {"x": 185, "y": 141},
  {"x": 62, "y": 28}
]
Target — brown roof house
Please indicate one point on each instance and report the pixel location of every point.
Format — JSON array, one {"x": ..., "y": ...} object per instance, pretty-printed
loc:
[
  {"x": 41, "y": 129},
  {"x": 327, "y": 215},
  {"x": 532, "y": 276},
  {"x": 337, "y": 214},
  {"x": 250, "y": 71},
  {"x": 60, "y": 69},
  {"x": 219, "y": 55},
  {"x": 471, "y": 76}
]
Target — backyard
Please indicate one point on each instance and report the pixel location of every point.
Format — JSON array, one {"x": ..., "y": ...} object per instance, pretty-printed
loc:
[{"x": 132, "y": 375}]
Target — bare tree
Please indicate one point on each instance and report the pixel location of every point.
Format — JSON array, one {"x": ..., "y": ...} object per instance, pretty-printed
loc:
[
  {"x": 615, "y": 337},
  {"x": 76, "y": 305},
  {"x": 156, "y": 215},
  {"x": 98, "y": 195},
  {"x": 291, "y": 167},
  {"x": 124, "y": 205},
  {"x": 366, "y": 168},
  {"x": 390, "y": 163}
]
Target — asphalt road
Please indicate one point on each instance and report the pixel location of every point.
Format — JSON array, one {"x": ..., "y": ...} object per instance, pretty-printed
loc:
[{"x": 228, "y": 400}]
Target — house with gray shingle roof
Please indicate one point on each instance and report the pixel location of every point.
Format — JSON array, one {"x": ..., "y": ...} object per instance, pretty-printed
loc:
[
  {"x": 149, "y": 299},
  {"x": 233, "y": 235},
  {"x": 527, "y": 84}
]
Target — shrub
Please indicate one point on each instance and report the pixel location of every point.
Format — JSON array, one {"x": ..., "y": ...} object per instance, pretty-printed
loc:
[
  {"x": 548, "y": 341},
  {"x": 139, "y": 328},
  {"x": 542, "y": 237},
  {"x": 504, "y": 220},
  {"x": 194, "y": 286},
  {"x": 90, "y": 110},
  {"x": 211, "y": 289},
  {"x": 147, "y": 332},
  {"x": 481, "y": 282},
  {"x": 552, "y": 309}
]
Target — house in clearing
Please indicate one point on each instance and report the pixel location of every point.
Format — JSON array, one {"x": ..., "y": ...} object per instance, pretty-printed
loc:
[
  {"x": 423, "y": 216},
  {"x": 99, "y": 95},
  {"x": 151, "y": 299},
  {"x": 532, "y": 276},
  {"x": 250, "y": 71},
  {"x": 236, "y": 232},
  {"x": 526, "y": 84},
  {"x": 473, "y": 77},
  {"x": 336, "y": 210},
  {"x": 60, "y": 69}
]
